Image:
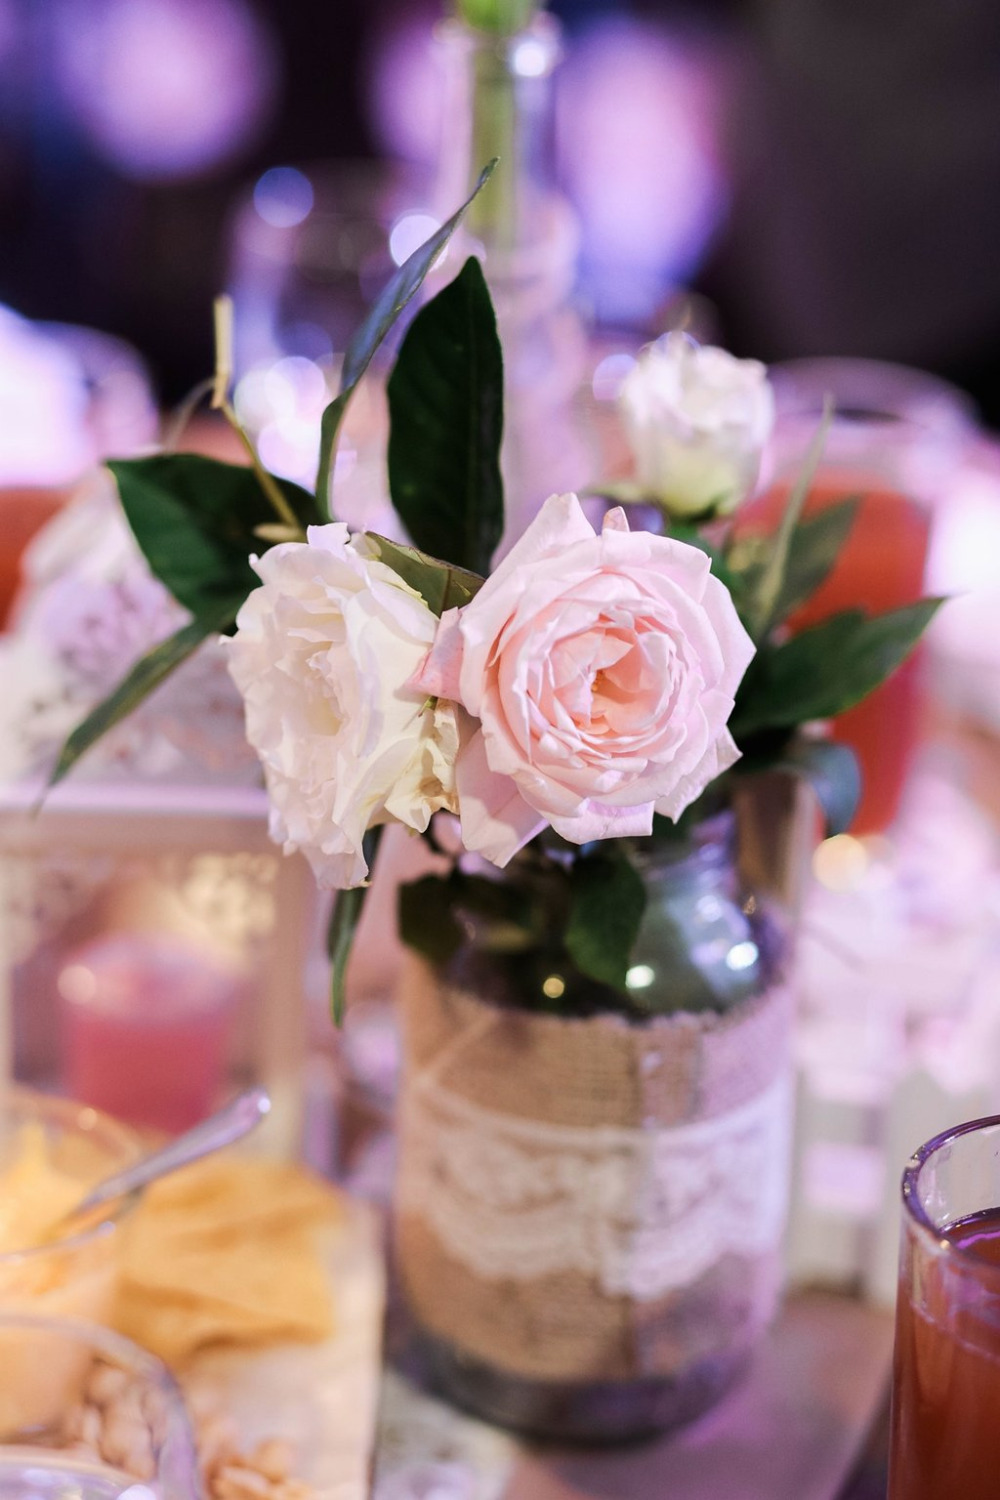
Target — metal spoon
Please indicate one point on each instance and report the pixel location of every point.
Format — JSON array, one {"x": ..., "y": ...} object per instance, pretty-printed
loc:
[{"x": 230, "y": 1123}]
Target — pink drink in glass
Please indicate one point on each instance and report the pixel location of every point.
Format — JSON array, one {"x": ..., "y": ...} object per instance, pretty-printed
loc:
[{"x": 146, "y": 1023}]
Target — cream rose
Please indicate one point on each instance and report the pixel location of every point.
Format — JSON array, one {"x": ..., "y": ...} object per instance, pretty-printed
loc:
[
  {"x": 597, "y": 672},
  {"x": 697, "y": 420},
  {"x": 323, "y": 655}
]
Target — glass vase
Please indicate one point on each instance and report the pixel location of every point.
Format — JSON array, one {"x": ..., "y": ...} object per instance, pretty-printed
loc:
[{"x": 592, "y": 1186}]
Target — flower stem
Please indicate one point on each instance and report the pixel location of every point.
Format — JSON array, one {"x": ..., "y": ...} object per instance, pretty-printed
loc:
[
  {"x": 267, "y": 481},
  {"x": 503, "y": 17},
  {"x": 222, "y": 310},
  {"x": 768, "y": 591},
  {"x": 493, "y": 216}
]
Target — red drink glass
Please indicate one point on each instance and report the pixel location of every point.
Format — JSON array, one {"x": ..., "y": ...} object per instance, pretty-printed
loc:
[
  {"x": 23, "y": 511},
  {"x": 895, "y": 437},
  {"x": 946, "y": 1378}
]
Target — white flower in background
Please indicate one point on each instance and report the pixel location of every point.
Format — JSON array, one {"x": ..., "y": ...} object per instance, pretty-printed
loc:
[
  {"x": 323, "y": 654},
  {"x": 697, "y": 420}
]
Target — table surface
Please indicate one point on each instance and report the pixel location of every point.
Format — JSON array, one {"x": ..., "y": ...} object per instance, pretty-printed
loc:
[{"x": 796, "y": 1429}]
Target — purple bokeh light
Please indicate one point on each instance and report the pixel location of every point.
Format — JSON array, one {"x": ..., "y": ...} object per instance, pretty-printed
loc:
[
  {"x": 637, "y": 119},
  {"x": 166, "y": 88},
  {"x": 283, "y": 197}
]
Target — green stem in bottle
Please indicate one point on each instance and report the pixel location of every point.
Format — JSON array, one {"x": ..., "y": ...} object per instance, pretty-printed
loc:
[
  {"x": 493, "y": 217},
  {"x": 502, "y": 17}
]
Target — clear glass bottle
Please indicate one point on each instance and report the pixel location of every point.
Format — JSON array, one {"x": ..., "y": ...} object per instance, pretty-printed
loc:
[{"x": 498, "y": 103}]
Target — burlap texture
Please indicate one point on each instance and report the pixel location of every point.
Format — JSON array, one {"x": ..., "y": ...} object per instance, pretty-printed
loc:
[{"x": 586, "y": 1072}]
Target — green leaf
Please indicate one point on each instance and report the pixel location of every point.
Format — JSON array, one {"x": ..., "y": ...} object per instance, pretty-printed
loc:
[
  {"x": 427, "y": 920},
  {"x": 380, "y": 317},
  {"x": 446, "y": 425},
  {"x": 147, "y": 675},
  {"x": 815, "y": 546},
  {"x": 831, "y": 770},
  {"x": 760, "y": 612},
  {"x": 684, "y": 531},
  {"x": 344, "y": 919},
  {"x": 431, "y": 910},
  {"x": 196, "y": 521},
  {"x": 827, "y": 669},
  {"x": 439, "y": 584},
  {"x": 607, "y": 903}
]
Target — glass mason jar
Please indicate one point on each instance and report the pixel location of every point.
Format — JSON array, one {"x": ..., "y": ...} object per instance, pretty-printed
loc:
[{"x": 592, "y": 1186}]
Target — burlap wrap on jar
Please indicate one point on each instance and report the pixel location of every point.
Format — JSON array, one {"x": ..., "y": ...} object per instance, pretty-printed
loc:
[{"x": 589, "y": 1199}]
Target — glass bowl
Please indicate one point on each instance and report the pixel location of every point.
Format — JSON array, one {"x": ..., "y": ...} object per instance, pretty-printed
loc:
[
  {"x": 72, "y": 1275},
  {"x": 90, "y": 1417}
]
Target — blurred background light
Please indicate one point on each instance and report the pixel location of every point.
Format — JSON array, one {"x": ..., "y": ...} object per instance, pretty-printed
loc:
[
  {"x": 404, "y": 87},
  {"x": 408, "y": 233},
  {"x": 638, "y": 115},
  {"x": 609, "y": 375},
  {"x": 282, "y": 404},
  {"x": 531, "y": 58},
  {"x": 749, "y": 160},
  {"x": 166, "y": 88},
  {"x": 43, "y": 407},
  {"x": 283, "y": 197}
]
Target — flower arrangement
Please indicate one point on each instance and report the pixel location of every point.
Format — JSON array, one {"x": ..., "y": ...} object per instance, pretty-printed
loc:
[{"x": 595, "y": 687}]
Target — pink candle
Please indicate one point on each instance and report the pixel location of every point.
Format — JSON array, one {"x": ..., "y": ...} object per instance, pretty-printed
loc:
[{"x": 146, "y": 1023}]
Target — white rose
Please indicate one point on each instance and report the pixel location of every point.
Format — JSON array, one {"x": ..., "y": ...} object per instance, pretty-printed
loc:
[
  {"x": 323, "y": 654},
  {"x": 697, "y": 419}
]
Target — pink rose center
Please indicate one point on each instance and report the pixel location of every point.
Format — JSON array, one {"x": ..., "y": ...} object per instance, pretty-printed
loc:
[{"x": 611, "y": 680}]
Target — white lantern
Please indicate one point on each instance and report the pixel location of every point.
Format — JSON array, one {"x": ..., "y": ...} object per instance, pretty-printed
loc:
[{"x": 153, "y": 941}]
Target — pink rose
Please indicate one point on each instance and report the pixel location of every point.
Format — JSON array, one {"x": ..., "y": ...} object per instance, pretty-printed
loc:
[{"x": 599, "y": 671}]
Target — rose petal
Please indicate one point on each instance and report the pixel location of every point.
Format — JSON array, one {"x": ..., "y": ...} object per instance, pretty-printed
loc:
[
  {"x": 596, "y": 820},
  {"x": 438, "y": 675},
  {"x": 719, "y": 756},
  {"x": 496, "y": 820}
]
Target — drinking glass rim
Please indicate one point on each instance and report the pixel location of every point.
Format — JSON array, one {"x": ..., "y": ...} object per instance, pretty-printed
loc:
[
  {"x": 68, "y": 1114},
  {"x": 895, "y": 394},
  {"x": 105, "y": 1341},
  {"x": 914, "y": 1209}
]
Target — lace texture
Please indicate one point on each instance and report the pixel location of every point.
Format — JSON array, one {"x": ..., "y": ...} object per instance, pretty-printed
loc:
[
  {"x": 643, "y": 1211},
  {"x": 89, "y": 608}
]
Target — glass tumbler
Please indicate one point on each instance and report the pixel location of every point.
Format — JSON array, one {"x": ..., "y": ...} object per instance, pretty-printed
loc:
[
  {"x": 946, "y": 1377},
  {"x": 895, "y": 440}
]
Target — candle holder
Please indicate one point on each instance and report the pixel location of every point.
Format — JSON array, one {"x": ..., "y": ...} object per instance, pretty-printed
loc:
[{"x": 184, "y": 880}]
